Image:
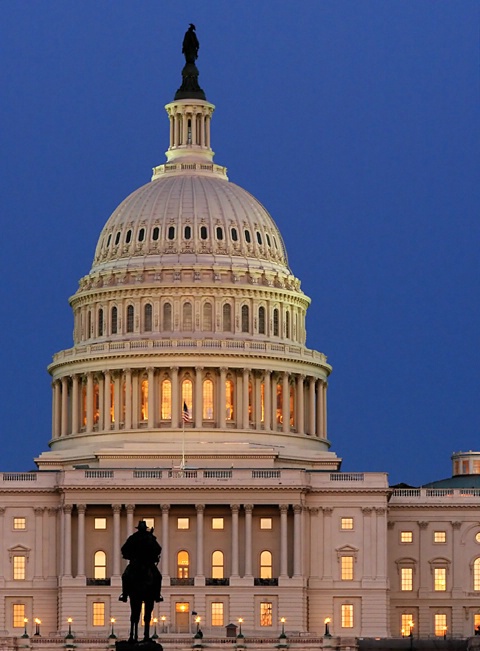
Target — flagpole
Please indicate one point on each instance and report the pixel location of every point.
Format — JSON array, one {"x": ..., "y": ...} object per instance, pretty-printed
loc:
[{"x": 183, "y": 444}]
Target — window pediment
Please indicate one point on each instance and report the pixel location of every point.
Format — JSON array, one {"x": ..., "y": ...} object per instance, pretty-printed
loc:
[{"x": 18, "y": 550}]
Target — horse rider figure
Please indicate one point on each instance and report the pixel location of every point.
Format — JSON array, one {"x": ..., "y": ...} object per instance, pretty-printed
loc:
[{"x": 142, "y": 551}]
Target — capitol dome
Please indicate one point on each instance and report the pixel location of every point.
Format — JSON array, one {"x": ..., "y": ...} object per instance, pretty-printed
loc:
[{"x": 189, "y": 330}]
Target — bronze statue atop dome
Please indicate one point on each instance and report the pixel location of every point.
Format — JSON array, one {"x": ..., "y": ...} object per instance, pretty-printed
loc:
[{"x": 190, "y": 88}]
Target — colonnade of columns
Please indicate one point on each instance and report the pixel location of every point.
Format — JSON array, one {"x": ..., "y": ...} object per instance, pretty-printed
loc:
[
  {"x": 154, "y": 397},
  {"x": 288, "y": 556},
  {"x": 190, "y": 125}
]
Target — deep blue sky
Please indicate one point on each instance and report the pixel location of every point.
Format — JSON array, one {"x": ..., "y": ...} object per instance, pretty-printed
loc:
[{"x": 356, "y": 123}]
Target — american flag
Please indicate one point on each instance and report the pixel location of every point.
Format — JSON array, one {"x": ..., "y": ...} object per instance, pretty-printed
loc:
[{"x": 185, "y": 413}]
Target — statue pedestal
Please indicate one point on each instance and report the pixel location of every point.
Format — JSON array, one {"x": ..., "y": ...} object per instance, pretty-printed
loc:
[{"x": 124, "y": 645}]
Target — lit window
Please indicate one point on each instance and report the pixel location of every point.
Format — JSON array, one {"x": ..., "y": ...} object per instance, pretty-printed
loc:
[
  {"x": 266, "y": 565},
  {"x": 261, "y": 320},
  {"x": 440, "y": 624},
  {"x": 114, "y": 320},
  {"x": 217, "y": 565},
  {"x": 262, "y": 402},
  {"x": 96, "y": 403},
  {"x": 166, "y": 408},
  {"x": 187, "y": 321},
  {"x": 476, "y": 574},
  {"x": 148, "y": 318},
  {"x": 265, "y": 523},
  {"x": 100, "y": 523},
  {"x": 217, "y": 523},
  {"x": 439, "y": 579},
  {"x": 407, "y": 624},
  {"x": 100, "y": 565},
  {"x": 187, "y": 395},
  {"x": 406, "y": 536},
  {"x": 476, "y": 621},
  {"x": 279, "y": 410},
  {"x": 19, "y": 523},
  {"x": 144, "y": 400},
  {"x": 183, "y": 564},
  {"x": 229, "y": 404},
  {"x": 346, "y": 524},
  {"x": 347, "y": 568},
  {"x": 207, "y": 400},
  {"x": 112, "y": 402},
  {"x": 150, "y": 522},
  {"x": 250, "y": 402},
  {"x": 245, "y": 319},
  {"x": 406, "y": 578},
  {"x": 292, "y": 404},
  {"x": 98, "y": 613},
  {"x": 266, "y": 613},
  {"x": 207, "y": 317},
  {"x": 183, "y": 523},
  {"x": 439, "y": 536},
  {"x": 19, "y": 565},
  {"x": 347, "y": 615},
  {"x": 167, "y": 317},
  {"x": 130, "y": 314},
  {"x": 18, "y": 615},
  {"x": 84, "y": 404},
  {"x": 227, "y": 317},
  {"x": 217, "y": 613}
]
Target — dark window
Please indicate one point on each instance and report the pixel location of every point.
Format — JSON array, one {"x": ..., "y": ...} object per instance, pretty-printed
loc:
[
  {"x": 128, "y": 237},
  {"x": 187, "y": 324},
  {"x": 245, "y": 318},
  {"x": 259, "y": 238},
  {"x": 275, "y": 242},
  {"x": 187, "y": 232},
  {"x": 117, "y": 238},
  {"x": 100, "y": 322},
  {"x": 130, "y": 314},
  {"x": 109, "y": 240},
  {"x": 268, "y": 239},
  {"x": 261, "y": 320},
  {"x": 287, "y": 325},
  {"x": 203, "y": 232},
  {"x": 156, "y": 233},
  {"x": 141, "y": 235},
  {"x": 89, "y": 325},
  {"x": 227, "y": 317},
  {"x": 234, "y": 234},
  {"x": 275, "y": 322},
  {"x": 114, "y": 321},
  {"x": 167, "y": 317},
  {"x": 148, "y": 318},
  {"x": 248, "y": 239},
  {"x": 171, "y": 232},
  {"x": 219, "y": 231}
]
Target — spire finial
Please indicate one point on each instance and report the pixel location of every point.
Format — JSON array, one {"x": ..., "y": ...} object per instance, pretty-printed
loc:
[{"x": 190, "y": 88}]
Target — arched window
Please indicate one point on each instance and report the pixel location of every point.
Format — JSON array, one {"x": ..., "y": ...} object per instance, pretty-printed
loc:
[
  {"x": 203, "y": 232},
  {"x": 167, "y": 317},
  {"x": 248, "y": 238},
  {"x": 259, "y": 238},
  {"x": 171, "y": 232},
  {"x": 234, "y": 235},
  {"x": 166, "y": 400},
  {"x": 144, "y": 400},
  {"x": 245, "y": 319},
  {"x": 207, "y": 400},
  {"x": 287, "y": 324},
  {"x": 266, "y": 565},
  {"x": 114, "y": 320},
  {"x": 227, "y": 318},
  {"x": 275, "y": 323},
  {"x": 183, "y": 564},
  {"x": 100, "y": 565},
  {"x": 187, "y": 233},
  {"x": 130, "y": 315},
  {"x": 476, "y": 574},
  {"x": 117, "y": 238},
  {"x": 261, "y": 320},
  {"x": 141, "y": 235},
  {"x": 148, "y": 318},
  {"x": 128, "y": 237},
  {"x": 279, "y": 410},
  {"x": 219, "y": 233},
  {"x": 187, "y": 321},
  {"x": 207, "y": 317},
  {"x": 217, "y": 565},
  {"x": 155, "y": 233},
  {"x": 100, "y": 322},
  {"x": 229, "y": 400},
  {"x": 187, "y": 395}
]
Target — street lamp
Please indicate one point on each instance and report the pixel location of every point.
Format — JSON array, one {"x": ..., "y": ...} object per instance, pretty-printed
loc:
[
  {"x": 112, "y": 635},
  {"x": 37, "y": 626},
  {"x": 445, "y": 629},
  {"x": 69, "y": 635},
  {"x": 164, "y": 619},
  {"x": 327, "y": 621},
  {"x": 240, "y": 622},
  {"x": 155, "y": 636},
  {"x": 283, "y": 620},
  {"x": 25, "y": 622}
]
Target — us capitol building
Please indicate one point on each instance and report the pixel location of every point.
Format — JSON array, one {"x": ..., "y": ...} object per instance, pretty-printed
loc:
[{"x": 190, "y": 400}]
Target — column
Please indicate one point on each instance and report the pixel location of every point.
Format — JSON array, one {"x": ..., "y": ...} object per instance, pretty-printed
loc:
[
  {"x": 222, "y": 399},
  {"x": 283, "y": 540},
  {"x": 116, "y": 508},
  {"x": 89, "y": 427},
  {"x": 248, "y": 540},
  {"x": 116, "y": 398},
  {"x": 245, "y": 417},
  {"x": 165, "y": 565},
  {"x": 184, "y": 129},
  {"x": 258, "y": 400},
  {"x": 175, "y": 396},
  {"x": 200, "y": 510},
  {"x": 234, "y": 508},
  {"x": 424, "y": 579},
  {"x": 135, "y": 396},
  {"x": 208, "y": 130},
  {"x": 325, "y": 434},
  {"x": 367, "y": 542},
  {"x": 457, "y": 585},
  {"x": 64, "y": 421},
  {"x": 2, "y": 533},
  {"x": 152, "y": 393},
  {"x": 314, "y": 542},
  {"x": 67, "y": 540},
  {"x": 171, "y": 131},
  {"x": 381, "y": 536},
  {"x": 327, "y": 542},
  {"x": 320, "y": 409},
  {"x": 106, "y": 401},
  {"x": 297, "y": 536},
  {"x": 194, "y": 128},
  {"x": 300, "y": 415},
  {"x": 311, "y": 406},
  {"x": 56, "y": 409},
  {"x": 38, "y": 569},
  {"x": 75, "y": 404},
  {"x": 81, "y": 508},
  {"x": 267, "y": 392},
  {"x": 286, "y": 403},
  {"x": 198, "y": 402},
  {"x": 130, "y": 511},
  {"x": 101, "y": 402}
]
